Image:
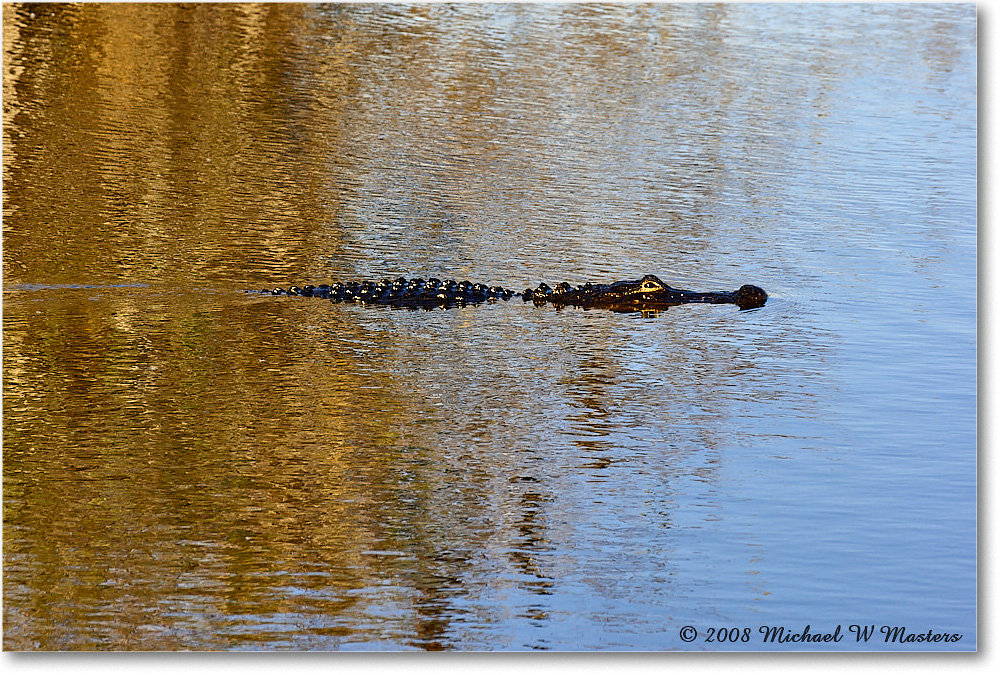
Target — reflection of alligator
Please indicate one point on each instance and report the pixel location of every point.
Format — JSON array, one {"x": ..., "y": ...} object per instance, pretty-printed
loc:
[{"x": 648, "y": 293}]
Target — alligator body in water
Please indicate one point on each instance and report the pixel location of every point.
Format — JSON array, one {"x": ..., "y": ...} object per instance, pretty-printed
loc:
[{"x": 646, "y": 294}]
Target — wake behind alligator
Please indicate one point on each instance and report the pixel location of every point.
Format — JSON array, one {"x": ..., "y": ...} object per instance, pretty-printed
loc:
[{"x": 646, "y": 294}]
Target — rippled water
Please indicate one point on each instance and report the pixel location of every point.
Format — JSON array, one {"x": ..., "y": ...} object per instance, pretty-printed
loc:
[{"x": 188, "y": 466}]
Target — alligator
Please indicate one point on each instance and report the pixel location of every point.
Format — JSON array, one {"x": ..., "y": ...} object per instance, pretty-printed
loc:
[{"x": 646, "y": 294}]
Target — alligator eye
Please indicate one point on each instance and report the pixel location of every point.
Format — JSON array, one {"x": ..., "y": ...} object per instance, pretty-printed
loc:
[{"x": 650, "y": 286}]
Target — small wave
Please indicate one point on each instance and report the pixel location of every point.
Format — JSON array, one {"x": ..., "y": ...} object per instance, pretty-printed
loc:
[{"x": 50, "y": 287}]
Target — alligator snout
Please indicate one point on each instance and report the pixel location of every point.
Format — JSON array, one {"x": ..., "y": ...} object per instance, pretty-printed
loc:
[{"x": 749, "y": 297}]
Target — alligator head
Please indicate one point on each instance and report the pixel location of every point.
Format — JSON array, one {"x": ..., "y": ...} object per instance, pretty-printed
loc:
[{"x": 648, "y": 293}]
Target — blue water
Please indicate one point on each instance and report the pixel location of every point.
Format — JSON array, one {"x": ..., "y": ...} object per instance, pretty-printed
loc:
[{"x": 187, "y": 466}]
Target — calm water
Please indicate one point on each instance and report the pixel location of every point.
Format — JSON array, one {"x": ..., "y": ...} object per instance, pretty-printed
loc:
[{"x": 187, "y": 466}]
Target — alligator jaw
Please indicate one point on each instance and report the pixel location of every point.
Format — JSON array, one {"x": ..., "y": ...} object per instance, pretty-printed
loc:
[{"x": 747, "y": 297}]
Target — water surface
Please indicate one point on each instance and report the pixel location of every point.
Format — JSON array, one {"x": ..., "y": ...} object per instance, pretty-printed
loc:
[{"x": 188, "y": 466}]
